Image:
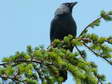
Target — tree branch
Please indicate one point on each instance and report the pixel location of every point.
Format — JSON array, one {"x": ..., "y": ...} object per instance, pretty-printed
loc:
[
  {"x": 79, "y": 51},
  {"x": 23, "y": 61},
  {"x": 96, "y": 53},
  {"x": 89, "y": 26},
  {"x": 99, "y": 81}
]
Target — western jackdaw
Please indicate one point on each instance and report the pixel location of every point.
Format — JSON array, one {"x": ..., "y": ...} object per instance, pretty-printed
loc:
[{"x": 62, "y": 25}]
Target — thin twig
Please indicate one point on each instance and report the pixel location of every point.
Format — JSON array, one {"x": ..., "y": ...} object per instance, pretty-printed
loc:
[
  {"x": 96, "y": 53},
  {"x": 89, "y": 26},
  {"x": 3, "y": 64},
  {"x": 79, "y": 51},
  {"x": 28, "y": 61},
  {"x": 12, "y": 78},
  {"x": 23, "y": 61},
  {"x": 99, "y": 81}
]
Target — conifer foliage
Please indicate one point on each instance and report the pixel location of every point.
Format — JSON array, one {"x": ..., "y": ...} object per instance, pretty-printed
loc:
[{"x": 41, "y": 66}]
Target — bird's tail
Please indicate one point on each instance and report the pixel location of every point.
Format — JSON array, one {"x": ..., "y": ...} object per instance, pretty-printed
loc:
[
  {"x": 70, "y": 48},
  {"x": 63, "y": 74}
]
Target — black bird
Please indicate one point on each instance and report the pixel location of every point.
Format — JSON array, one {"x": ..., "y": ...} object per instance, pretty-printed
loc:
[{"x": 62, "y": 25}]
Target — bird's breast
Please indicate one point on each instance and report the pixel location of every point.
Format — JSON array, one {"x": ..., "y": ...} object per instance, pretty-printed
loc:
[
  {"x": 62, "y": 26},
  {"x": 66, "y": 25}
]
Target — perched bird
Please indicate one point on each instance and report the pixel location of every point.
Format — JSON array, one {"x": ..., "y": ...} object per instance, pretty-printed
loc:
[{"x": 62, "y": 25}]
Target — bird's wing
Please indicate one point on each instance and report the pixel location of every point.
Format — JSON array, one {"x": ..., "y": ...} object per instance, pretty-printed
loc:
[
  {"x": 56, "y": 29},
  {"x": 52, "y": 29}
]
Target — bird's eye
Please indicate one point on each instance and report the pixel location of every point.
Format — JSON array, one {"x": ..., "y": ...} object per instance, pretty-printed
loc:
[{"x": 67, "y": 4}]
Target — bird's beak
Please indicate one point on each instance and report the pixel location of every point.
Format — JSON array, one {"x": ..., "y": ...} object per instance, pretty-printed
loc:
[{"x": 73, "y": 4}]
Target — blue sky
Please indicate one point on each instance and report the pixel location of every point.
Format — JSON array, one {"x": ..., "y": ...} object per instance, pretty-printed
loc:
[{"x": 27, "y": 22}]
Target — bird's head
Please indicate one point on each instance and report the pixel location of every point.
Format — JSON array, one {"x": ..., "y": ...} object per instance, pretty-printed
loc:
[{"x": 65, "y": 8}]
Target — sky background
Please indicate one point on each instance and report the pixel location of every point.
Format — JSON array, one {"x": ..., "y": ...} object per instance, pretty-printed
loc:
[{"x": 27, "y": 22}]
